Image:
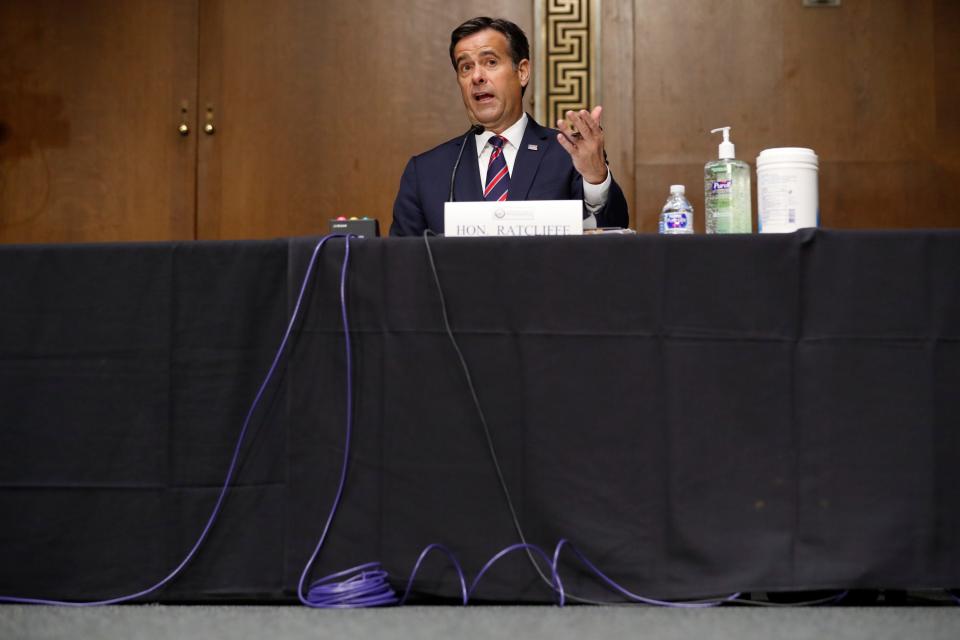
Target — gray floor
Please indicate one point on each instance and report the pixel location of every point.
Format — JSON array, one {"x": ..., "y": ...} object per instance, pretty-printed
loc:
[{"x": 282, "y": 623}]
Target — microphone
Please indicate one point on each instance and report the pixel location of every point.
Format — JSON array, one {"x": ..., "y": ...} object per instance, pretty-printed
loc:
[{"x": 475, "y": 130}]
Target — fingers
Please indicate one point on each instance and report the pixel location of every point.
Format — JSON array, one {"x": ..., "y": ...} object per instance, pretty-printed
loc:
[
  {"x": 581, "y": 130},
  {"x": 582, "y": 137},
  {"x": 566, "y": 143},
  {"x": 568, "y": 131},
  {"x": 583, "y": 122},
  {"x": 578, "y": 123},
  {"x": 595, "y": 114}
]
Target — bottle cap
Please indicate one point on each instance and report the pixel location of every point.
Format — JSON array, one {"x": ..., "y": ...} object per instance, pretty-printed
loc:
[
  {"x": 678, "y": 188},
  {"x": 800, "y": 155},
  {"x": 726, "y": 150}
]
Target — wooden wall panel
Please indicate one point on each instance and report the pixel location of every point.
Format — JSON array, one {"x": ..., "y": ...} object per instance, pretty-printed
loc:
[
  {"x": 318, "y": 107},
  {"x": 946, "y": 135},
  {"x": 90, "y": 93},
  {"x": 617, "y": 94},
  {"x": 859, "y": 89},
  {"x": 858, "y": 80},
  {"x": 867, "y": 85}
]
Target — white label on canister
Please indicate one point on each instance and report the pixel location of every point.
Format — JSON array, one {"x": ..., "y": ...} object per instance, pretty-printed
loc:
[{"x": 777, "y": 200}]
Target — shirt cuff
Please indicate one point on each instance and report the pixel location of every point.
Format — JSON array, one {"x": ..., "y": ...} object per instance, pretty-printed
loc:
[{"x": 595, "y": 195}]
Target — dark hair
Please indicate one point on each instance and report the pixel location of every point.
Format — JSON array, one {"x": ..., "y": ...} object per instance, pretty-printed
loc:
[{"x": 516, "y": 39}]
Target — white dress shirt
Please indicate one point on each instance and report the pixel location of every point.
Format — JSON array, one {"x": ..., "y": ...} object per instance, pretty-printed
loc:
[{"x": 594, "y": 195}]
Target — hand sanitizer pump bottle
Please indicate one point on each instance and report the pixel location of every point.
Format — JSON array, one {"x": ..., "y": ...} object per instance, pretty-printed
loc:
[{"x": 726, "y": 191}]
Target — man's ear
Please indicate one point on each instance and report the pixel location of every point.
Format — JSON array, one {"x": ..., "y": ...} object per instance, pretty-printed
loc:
[{"x": 523, "y": 70}]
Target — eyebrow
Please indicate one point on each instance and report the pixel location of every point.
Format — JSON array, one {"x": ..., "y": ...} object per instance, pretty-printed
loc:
[{"x": 484, "y": 52}]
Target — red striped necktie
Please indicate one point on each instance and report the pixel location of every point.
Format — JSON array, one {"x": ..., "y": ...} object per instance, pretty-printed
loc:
[{"x": 498, "y": 177}]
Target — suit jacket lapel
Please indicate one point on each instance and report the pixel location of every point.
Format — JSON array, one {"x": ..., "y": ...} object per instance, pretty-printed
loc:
[
  {"x": 467, "y": 186},
  {"x": 528, "y": 161}
]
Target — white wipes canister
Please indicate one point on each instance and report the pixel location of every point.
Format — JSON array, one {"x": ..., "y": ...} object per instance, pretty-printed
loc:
[{"x": 787, "y": 194}]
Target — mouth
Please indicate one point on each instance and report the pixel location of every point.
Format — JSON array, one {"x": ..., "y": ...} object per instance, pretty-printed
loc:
[{"x": 483, "y": 97}]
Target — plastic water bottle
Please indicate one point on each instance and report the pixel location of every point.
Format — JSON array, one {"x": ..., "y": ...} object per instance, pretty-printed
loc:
[{"x": 677, "y": 214}]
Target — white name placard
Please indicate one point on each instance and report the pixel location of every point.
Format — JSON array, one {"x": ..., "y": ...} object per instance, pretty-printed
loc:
[{"x": 513, "y": 219}]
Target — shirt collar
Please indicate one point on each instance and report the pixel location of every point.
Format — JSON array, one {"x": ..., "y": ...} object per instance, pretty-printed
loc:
[{"x": 513, "y": 134}]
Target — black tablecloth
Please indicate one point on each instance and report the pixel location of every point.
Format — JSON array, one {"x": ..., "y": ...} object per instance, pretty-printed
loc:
[{"x": 700, "y": 415}]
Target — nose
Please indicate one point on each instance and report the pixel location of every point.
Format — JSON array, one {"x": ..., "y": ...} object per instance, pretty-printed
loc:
[{"x": 479, "y": 75}]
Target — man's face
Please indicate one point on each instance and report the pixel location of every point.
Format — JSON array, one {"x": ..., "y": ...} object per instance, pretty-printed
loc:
[{"x": 490, "y": 85}]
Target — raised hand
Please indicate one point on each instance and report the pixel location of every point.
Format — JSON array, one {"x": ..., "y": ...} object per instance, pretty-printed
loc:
[{"x": 582, "y": 136}]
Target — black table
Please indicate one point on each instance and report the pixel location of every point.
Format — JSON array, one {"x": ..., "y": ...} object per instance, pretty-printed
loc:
[{"x": 700, "y": 415}]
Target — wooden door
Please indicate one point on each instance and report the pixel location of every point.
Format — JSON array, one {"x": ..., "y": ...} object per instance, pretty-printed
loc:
[
  {"x": 317, "y": 106},
  {"x": 91, "y": 94}
]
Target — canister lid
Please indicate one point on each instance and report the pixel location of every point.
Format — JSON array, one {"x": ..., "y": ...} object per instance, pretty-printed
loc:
[{"x": 787, "y": 154}]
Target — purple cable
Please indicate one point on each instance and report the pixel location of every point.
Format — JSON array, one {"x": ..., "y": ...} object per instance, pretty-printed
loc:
[
  {"x": 557, "y": 585},
  {"x": 553, "y": 563},
  {"x": 456, "y": 566},
  {"x": 230, "y": 471},
  {"x": 367, "y": 585},
  {"x": 629, "y": 594}
]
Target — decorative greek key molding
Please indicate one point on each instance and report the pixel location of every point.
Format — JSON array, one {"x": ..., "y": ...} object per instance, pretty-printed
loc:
[{"x": 566, "y": 57}]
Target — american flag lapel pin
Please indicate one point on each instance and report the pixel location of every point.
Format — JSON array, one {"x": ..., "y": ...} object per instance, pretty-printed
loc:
[{"x": 532, "y": 147}]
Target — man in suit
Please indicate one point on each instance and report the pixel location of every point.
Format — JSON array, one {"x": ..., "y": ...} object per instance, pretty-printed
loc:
[{"x": 514, "y": 157}]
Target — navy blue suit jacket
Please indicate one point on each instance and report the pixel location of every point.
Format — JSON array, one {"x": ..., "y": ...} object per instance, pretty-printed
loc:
[{"x": 544, "y": 174}]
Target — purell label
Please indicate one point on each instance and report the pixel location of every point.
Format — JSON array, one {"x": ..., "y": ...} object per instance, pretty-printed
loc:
[
  {"x": 676, "y": 220},
  {"x": 720, "y": 185}
]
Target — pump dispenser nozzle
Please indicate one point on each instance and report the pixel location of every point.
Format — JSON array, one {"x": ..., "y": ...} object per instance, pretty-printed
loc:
[{"x": 726, "y": 150}]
